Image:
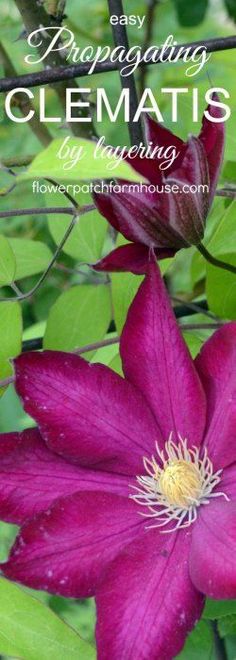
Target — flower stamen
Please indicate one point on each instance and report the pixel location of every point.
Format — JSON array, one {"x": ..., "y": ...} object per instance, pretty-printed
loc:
[{"x": 177, "y": 482}]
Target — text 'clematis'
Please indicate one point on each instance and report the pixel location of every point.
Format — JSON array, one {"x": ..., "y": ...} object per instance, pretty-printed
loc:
[
  {"x": 174, "y": 215},
  {"x": 127, "y": 489}
]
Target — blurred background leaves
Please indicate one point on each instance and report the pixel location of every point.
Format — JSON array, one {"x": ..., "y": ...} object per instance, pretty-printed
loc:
[{"x": 75, "y": 306}]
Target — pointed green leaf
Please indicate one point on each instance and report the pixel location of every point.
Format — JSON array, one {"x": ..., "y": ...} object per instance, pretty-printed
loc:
[
  {"x": 93, "y": 164},
  {"x": 7, "y": 262},
  {"x": 10, "y": 336},
  {"x": 215, "y": 609},
  {"x": 199, "y": 644},
  {"x": 31, "y": 257},
  {"x": 30, "y": 630},
  {"x": 79, "y": 317},
  {"x": 87, "y": 238},
  {"x": 221, "y": 289},
  {"x": 191, "y": 13}
]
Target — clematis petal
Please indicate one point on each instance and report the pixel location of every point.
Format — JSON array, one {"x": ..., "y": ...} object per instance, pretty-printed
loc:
[
  {"x": 147, "y": 167},
  {"x": 143, "y": 217},
  {"x": 32, "y": 477},
  {"x": 227, "y": 484},
  {"x": 66, "y": 549},
  {"x": 104, "y": 204},
  {"x": 163, "y": 137},
  {"x": 212, "y": 556},
  {"x": 188, "y": 212},
  {"x": 133, "y": 257},
  {"x": 156, "y": 360},
  {"x": 85, "y": 411},
  {"x": 212, "y": 137},
  {"x": 148, "y": 596},
  {"x": 216, "y": 366}
]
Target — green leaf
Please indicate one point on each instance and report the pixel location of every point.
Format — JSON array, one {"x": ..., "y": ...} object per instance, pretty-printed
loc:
[
  {"x": 215, "y": 609},
  {"x": 116, "y": 364},
  {"x": 190, "y": 13},
  {"x": 30, "y": 630},
  {"x": 193, "y": 342},
  {"x": 7, "y": 262},
  {"x": 224, "y": 235},
  {"x": 229, "y": 171},
  {"x": 80, "y": 614},
  {"x": 195, "y": 338},
  {"x": 124, "y": 288},
  {"x": 199, "y": 644},
  {"x": 212, "y": 237},
  {"x": 48, "y": 164},
  {"x": 35, "y": 330},
  {"x": 31, "y": 257},
  {"x": 106, "y": 353},
  {"x": 231, "y": 8},
  {"x": 7, "y": 538},
  {"x": 79, "y": 317},
  {"x": 87, "y": 238},
  {"x": 227, "y": 625},
  {"x": 221, "y": 289},
  {"x": 10, "y": 336}
]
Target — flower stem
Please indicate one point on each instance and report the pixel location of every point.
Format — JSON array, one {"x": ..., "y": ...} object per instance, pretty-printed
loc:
[
  {"x": 214, "y": 261},
  {"x": 221, "y": 653}
]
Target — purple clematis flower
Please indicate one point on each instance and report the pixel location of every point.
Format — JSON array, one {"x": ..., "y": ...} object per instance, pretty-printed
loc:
[
  {"x": 161, "y": 220},
  {"x": 127, "y": 489}
]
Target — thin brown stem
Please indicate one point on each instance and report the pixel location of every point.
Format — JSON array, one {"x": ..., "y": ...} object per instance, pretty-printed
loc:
[
  {"x": 59, "y": 210},
  {"x": 37, "y": 127},
  {"x": 38, "y": 211},
  {"x": 7, "y": 381},
  {"x": 150, "y": 17},
  {"x": 226, "y": 192},
  {"x": 34, "y": 15},
  {"x": 69, "y": 72},
  {"x": 25, "y": 296},
  {"x": 194, "y": 306},
  {"x": 121, "y": 40},
  {"x": 218, "y": 263},
  {"x": 96, "y": 345},
  {"x": 202, "y": 326}
]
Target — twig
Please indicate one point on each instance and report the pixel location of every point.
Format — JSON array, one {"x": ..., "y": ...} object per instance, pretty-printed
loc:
[
  {"x": 198, "y": 308},
  {"x": 226, "y": 192},
  {"x": 30, "y": 293},
  {"x": 62, "y": 73},
  {"x": 152, "y": 5},
  {"x": 39, "y": 211},
  {"x": 34, "y": 15},
  {"x": 121, "y": 39},
  {"x": 65, "y": 193},
  {"x": 96, "y": 345},
  {"x": 214, "y": 261},
  {"x": 44, "y": 210},
  {"x": 38, "y": 128},
  {"x": 202, "y": 326},
  {"x": 7, "y": 381}
]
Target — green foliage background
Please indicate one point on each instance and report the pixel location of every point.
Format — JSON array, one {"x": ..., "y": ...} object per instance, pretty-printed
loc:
[{"x": 75, "y": 307}]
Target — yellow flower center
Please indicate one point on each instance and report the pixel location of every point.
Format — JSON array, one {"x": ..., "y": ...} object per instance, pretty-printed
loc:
[
  {"x": 180, "y": 483},
  {"x": 177, "y": 481}
]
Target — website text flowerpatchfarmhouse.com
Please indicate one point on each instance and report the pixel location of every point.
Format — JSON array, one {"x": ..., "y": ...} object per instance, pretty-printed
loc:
[{"x": 117, "y": 188}]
